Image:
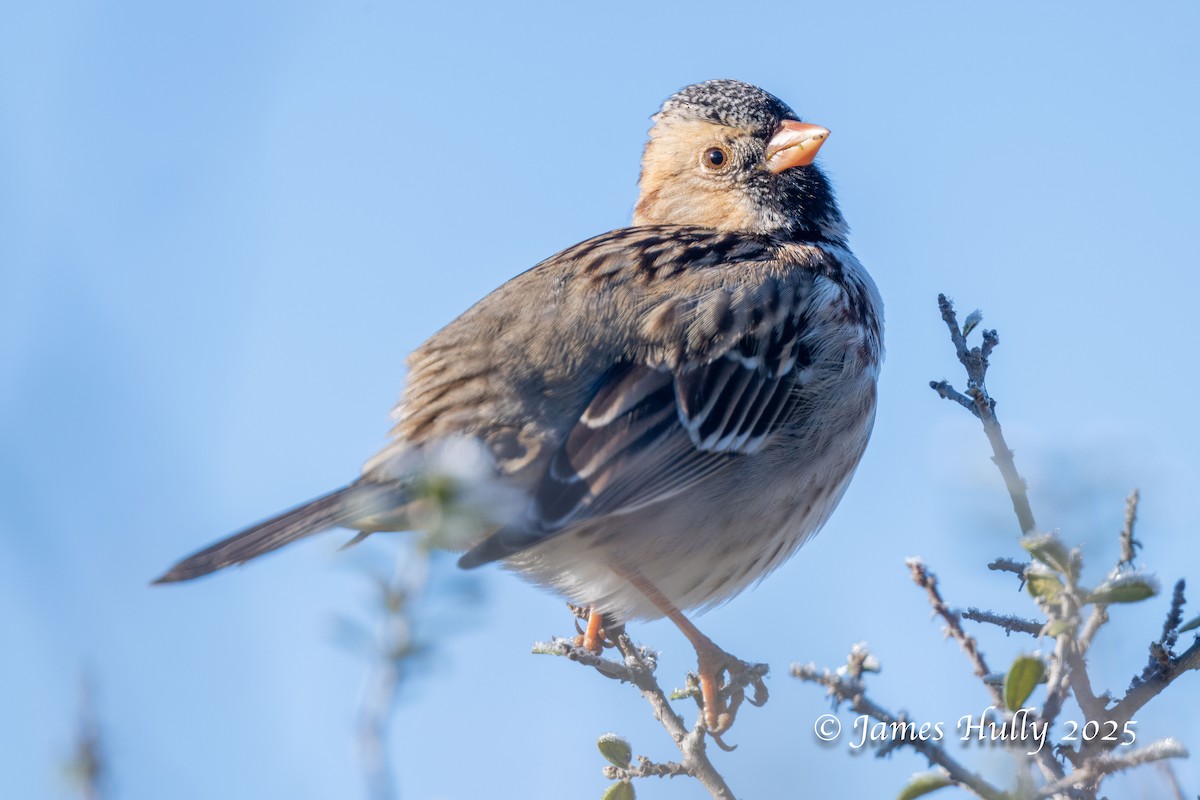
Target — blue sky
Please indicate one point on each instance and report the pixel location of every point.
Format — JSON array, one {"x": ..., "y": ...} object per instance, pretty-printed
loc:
[{"x": 224, "y": 225}]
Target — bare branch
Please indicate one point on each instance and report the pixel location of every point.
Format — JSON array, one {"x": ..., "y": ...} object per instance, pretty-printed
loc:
[
  {"x": 975, "y": 360},
  {"x": 1081, "y": 683},
  {"x": 1096, "y": 620},
  {"x": 393, "y": 648},
  {"x": 1170, "y": 632},
  {"x": 1094, "y": 769},
  {"x": 638, "y": 669},
  {"x": 850, "y": 690},
  {"x": 1075, "y": 650},
  {"x": 1010, "y": 565},
  {"x": 1009, "y": 622},
  {"x": 948, "y": 392},
  {"x": 1145, "y": 690},
  {"x": 928, "y": 581},
  {"x": 609, "y": 668},
  {"x": 646, "y": 769},
  {"x": 1128, "y": 543},
  {"x": 1064, "y": 606},
  {"x": 1057, "y": 681},
  {"x": 1172, "y": 781},
  {"x": 88, "y": 766}
]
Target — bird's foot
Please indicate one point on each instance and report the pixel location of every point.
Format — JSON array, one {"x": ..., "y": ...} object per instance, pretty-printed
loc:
[
  {"x": 593, "y": 638},
  {"x": 721, "y": 698}
]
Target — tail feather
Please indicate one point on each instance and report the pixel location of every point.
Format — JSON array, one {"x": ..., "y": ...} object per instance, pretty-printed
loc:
[{"x": 325, "y": 512}]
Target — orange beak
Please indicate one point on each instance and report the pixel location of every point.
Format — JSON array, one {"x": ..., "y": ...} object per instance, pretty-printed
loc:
[{"x": 795, "y": 144}]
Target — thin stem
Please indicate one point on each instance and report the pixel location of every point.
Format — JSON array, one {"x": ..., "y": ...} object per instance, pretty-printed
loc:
[
  {"x": 850, "y": 690},
  {"x": 1095, "y": 768},
  {"x": 928, "y": 581},
  {"x": 638, "y": 669},
  {"x": 1129, "y": 545},
  {"x": 691, "y": 743},
  {"x": 975, "y": 360},
  {"x": 1009, "y": 622},
  {"x": 1147, "y": 690}
]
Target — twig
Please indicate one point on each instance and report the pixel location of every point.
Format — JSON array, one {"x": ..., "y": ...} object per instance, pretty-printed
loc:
[
  {"x": 88, "y": 766},
  {"x": 1128, "y": 543},
  {"x": 1009, "y": 622},
  {"x": 1170, "y": 632},
  {"x": 1056, "y": 682},
  {"x": 1009, "y": 565},
  {"x": 638, "y": 669},
  {"x": 616, "y": 670},
  {"x": 1089, "y": 774},
  {"x": 948, "y": 392},
  {"x": 928, "y": 581},
  {"x": 646, "y": 769},
  {"x": 1144, "y": 691},
  {"x": 691, "y": 743},
  {"x": 850, "y": 690},
  {"x": 1172, "y": 781},
  {"x": 1075, "y": 650},
  {"x": 1096, "y": 620},
  {"x": 975, "y": 360},
  {"x": 1068, "y": 673},
  {"x": 392, "y": 651}
]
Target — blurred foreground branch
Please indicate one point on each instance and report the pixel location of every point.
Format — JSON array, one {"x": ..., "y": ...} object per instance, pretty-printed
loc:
[
  {"x": 87, "y": 767},
  {"x": 395, "y": 646},
  {"x": 395, "y": 640}
]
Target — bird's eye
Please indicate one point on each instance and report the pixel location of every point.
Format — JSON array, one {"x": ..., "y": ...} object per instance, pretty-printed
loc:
[{"x": 715, "y": 158}]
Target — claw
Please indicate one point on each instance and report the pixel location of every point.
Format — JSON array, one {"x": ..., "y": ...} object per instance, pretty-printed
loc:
[
  {"x": 761, "y": 695},
  {"x": 591, "y": 639},
  {"x": 716, "y": 737},
  {"x": 722, "y": 699}
]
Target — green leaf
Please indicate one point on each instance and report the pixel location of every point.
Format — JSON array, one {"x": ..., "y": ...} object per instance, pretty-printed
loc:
[
  {"x": 621, "y": 790},
  {"x": 1021, "y": 680},
  {"x": 1042, "y": 583},
  {"x": 615, "y": 749},
  {"x": 1130, "y": 588},
  {"x": 923, "y": 783},
  {"x": 1190, "y": 625},
  {"x": 1050, "y": 550}
]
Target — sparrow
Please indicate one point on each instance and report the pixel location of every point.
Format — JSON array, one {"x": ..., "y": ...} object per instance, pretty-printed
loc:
[{"x": 670, "y": 409}]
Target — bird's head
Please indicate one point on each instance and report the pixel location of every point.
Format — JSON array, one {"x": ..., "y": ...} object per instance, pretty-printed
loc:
[{"x": 727, "y": 155}]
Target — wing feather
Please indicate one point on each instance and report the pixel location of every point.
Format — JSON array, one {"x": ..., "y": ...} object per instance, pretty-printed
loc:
[
  {"x": 669, "y": 416},
  {"x": 651, "y": 432}
]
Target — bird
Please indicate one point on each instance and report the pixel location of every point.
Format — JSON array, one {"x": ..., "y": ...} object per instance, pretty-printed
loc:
[{"x": 669, "y": 410}]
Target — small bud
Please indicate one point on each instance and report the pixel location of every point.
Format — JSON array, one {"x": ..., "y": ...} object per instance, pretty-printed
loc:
[
  {"x": 1190, "y": 625},
  {"x": 923, "y": 783},
  {"x": 859, "y": 661},
  {"x": 615, "y": 749},
  {"x": 972, "y": 322},
  {"x": 621, "y": 790},
  {"x": 1021, "y": 680}
]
